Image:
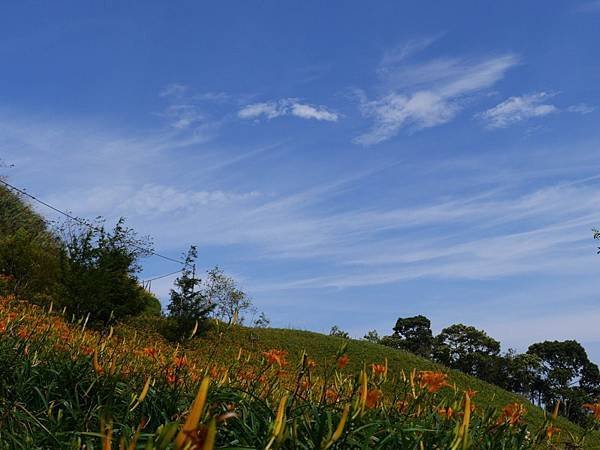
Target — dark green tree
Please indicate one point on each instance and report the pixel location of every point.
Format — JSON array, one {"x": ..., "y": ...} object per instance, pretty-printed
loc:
[
  {"x": 189, "y": 303},
  {"x": 412, "y": 334},
  {"x": 469, "y": 350},
  {"x": 567, "y": 375},
  {"x": 521, "y": 372},
  {"x": 99, "y": 270}
]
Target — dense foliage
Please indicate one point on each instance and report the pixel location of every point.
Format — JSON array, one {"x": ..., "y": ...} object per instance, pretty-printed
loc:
[{"x": 99, "y": 270}]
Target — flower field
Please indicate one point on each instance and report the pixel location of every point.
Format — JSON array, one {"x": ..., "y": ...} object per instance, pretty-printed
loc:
[{"x": 63, "y": 385}]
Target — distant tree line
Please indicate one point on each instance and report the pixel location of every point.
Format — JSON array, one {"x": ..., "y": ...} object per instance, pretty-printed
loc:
[{"x": 547, "y": 373}]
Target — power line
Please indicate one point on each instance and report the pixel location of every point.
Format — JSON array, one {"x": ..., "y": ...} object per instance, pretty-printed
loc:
[
  {"x": 83, "y": 222},
  {"x": 162, "y": 276}
]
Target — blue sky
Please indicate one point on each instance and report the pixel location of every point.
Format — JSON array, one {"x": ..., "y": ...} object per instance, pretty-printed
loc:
[{"x": 347, "y": 162}]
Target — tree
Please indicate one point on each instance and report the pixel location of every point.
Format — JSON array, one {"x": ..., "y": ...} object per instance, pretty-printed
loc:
[
  {"x": 413, "y": 334},
  {"x": 189, "y": 304},
  {"x": 470, "y": 350},
  {"x": 372, "y": 336},
  {"x": 521, "y": 372},
  {"x": 338, "y": 332},
  {"x": 262, "y": 322},
  {"x": 230, "y": 301},
  {"x": 566, "y": 375},
  {"x": 99, "y": 270}
]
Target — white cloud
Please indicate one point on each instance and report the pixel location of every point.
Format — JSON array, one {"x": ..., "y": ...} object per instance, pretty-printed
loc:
[
  {"x": 184, "y": 116},
  {"x": 311, "y": 112},
  {"x": 285, "y": 107},
  {"x": 423, "y": 109},
  {"x": 581, "y": 108},
  {"x": 174, "y": 90},
  {"x": 403, "y": 51},
  {"x": 426, "y": 94},
  {"x": 268, "y": 109},
  {"x": 517, "y": 109},
  {"x": 151, "y": 199}
]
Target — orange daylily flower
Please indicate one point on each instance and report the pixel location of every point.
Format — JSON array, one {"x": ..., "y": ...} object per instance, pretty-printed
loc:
[
  {"x": 342, "y": 361},
  {"x": 276, "y": 357},
  {"x": 432, "y": 381},
  {"x": 23, "y": 333},
  {"x": 512, "y": 414},
  {"x": 373, "y": 398},
  {"x": 471, "y": 392},
  {"x": 247, "y": 375},
  {"x": 150, "y": 351},
  {"x": 378, "y": 369},
  {"x": 180, "y": 361},
  {"x": 551, "y": 430},
  {"x": 331, "y": 396},
  {"x": 594, "y": 408},
  {"x": 446, "y": 412},
  {"x": 171, "y": 377}
]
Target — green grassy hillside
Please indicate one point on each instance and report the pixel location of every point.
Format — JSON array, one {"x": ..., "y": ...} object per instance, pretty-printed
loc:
[{"x": 225, "y": 343}]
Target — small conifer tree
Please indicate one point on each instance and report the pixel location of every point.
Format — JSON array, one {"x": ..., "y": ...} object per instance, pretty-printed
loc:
[{"x": 189, "y": 304}]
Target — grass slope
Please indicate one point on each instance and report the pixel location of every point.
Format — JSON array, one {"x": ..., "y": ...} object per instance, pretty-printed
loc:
[{"x": 320, "y": 347}]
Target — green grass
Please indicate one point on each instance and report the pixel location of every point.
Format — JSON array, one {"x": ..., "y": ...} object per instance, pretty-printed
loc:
[{"x": 321, "y": 347}]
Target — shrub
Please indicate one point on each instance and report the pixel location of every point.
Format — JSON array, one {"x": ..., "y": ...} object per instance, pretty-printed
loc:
[{"x": 99, "y": 269}]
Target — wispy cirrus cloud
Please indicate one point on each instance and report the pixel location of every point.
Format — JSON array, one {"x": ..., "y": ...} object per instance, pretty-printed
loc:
[
  {"x": 151, "y": 199},
  {"x": 525, "y": 107},
  {"x": 187, "y": 110},
  {"x": 401, "y": 52},
  {"x": 425, "y": 94},
  {"x": 581, "y": 108},
  {"x": 287, "y": 107},
  {"x": 518, "y": 109},
  {"x": 174, "y": 90},
  {"x": 184, "y": 116},
  {"x": 423, "y": 109}
]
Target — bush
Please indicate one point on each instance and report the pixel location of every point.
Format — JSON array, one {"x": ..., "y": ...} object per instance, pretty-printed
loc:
[{"x": 99, "y": 269}]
